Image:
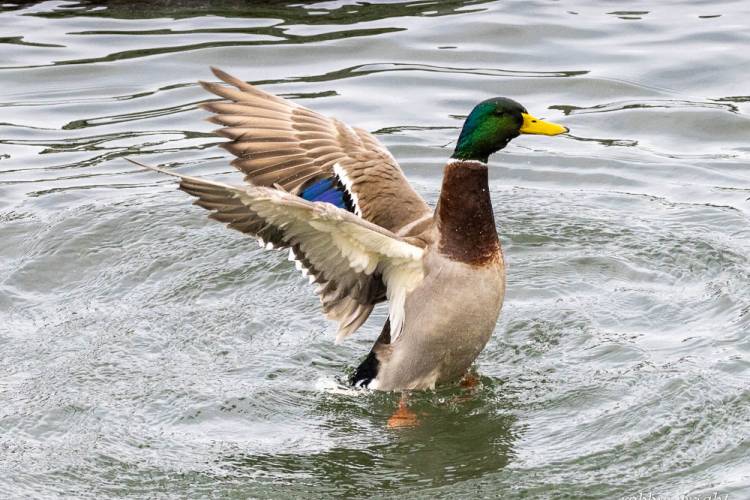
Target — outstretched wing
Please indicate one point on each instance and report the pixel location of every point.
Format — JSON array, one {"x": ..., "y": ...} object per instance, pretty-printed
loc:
[
  {"x": 278, "y": 142},
  {"x": 341, "y": 252}
]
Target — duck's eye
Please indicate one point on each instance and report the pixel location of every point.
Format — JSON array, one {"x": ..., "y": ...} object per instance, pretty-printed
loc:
[{"x": 499, "y": 113}]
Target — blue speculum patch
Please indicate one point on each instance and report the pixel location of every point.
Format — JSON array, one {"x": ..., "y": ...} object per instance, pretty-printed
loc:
[{"x": 329, "y": 190}]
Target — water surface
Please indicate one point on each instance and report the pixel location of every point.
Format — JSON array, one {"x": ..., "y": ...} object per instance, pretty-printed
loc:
[{"x": 147, "y": 351}]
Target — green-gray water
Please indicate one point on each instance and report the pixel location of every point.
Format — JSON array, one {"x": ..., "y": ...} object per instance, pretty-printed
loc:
[{"x": 146, "y": 351}]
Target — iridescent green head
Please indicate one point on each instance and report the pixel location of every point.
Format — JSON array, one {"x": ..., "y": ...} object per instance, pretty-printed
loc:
[{"x": 493, "y": 123}]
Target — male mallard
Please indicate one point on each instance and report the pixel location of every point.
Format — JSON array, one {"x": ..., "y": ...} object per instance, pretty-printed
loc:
[{"x": 335, "y": 197}]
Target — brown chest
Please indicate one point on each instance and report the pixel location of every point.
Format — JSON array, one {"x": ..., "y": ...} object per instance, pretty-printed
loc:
[{"x": 465, "y": 218}]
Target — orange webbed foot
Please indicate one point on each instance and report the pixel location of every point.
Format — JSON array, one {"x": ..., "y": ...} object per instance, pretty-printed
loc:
[
  {"x": 403, "y": 416},
  {"x": 470, "y": 381}
]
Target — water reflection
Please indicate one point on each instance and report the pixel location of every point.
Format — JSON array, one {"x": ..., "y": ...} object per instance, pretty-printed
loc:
[
  {"x": 303, "y": 12},
  {"x": 460, "y": 436},
  {"x": 629, "y": 14},
  {"x": 644, "y": 104}
]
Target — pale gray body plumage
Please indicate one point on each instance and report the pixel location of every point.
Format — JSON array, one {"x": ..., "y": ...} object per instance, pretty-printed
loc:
[{"x": 449, "y": 319}]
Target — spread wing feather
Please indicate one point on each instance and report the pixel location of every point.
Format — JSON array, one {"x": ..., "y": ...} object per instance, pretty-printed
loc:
[
  {"x": 278, "y": 142},
  {"x": 341, "y": 252}
]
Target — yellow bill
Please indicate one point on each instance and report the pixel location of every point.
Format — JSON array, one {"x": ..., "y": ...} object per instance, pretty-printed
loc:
[{"x": 533, "y": 125}]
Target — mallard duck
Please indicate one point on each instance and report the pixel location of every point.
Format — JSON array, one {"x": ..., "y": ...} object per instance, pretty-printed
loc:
[{"x": 339, "y": 202}]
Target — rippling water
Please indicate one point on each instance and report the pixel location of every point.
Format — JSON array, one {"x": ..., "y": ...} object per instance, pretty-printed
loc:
[{"x": 147, "y": 351}]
